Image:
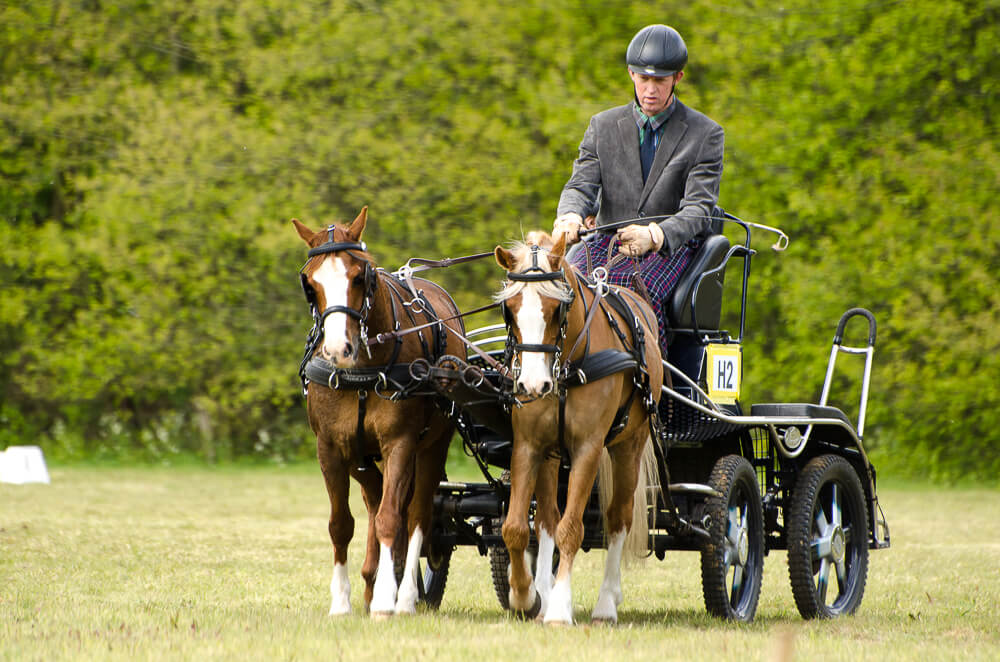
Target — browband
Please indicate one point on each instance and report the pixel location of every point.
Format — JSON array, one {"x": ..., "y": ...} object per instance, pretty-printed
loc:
[{"x": 336, "y": 246}]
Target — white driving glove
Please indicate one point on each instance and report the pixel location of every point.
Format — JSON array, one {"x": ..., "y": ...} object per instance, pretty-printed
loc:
[
  {"x": 568, "y": 224},
  {"x": 637, "y": 240}
]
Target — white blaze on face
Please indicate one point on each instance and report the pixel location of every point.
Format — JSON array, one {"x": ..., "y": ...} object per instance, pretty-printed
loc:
[
  {"x": 332, "y": 277},
  {"x": 531, "y": 322}
]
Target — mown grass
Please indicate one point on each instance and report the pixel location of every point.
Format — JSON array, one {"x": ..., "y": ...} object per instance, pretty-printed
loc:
[{"x": 234, "y": 563}]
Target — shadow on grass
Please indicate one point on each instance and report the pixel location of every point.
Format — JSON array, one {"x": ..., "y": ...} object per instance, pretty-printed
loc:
[{"x": 684, "y": 618}]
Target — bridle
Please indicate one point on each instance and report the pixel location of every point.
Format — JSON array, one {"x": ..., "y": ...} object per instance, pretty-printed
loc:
[
  {"x": 535, "y": 274},
  {"x": 370, "y": 284}
]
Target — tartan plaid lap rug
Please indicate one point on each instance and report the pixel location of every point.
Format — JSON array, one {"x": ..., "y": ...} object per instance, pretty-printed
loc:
[{"x": 659, "y": 274}]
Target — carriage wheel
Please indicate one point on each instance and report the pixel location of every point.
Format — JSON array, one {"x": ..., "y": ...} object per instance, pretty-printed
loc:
[
  {"x": 732, "y": 564},
  {"x": 828, "y": 539},
  {"x": 432, "y": 576}
]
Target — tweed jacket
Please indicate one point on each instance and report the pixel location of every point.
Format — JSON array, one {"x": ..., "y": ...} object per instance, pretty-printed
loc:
[{"x": 683, "y": 180}]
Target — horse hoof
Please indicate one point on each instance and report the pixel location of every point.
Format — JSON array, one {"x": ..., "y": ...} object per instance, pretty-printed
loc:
[
  {"x": 530, "y": 614},
  {"x": 609, "y": 622},
  {"x": 380, "y": 616}
]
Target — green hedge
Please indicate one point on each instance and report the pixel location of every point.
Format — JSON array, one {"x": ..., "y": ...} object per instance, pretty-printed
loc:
[{"x": 152, "y": 155}]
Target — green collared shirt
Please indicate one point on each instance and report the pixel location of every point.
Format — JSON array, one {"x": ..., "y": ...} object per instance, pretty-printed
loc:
[{"x": 658, "y": 120}]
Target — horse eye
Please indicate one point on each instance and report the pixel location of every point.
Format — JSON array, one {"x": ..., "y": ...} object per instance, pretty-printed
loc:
[{"x": 359, "y": 280}]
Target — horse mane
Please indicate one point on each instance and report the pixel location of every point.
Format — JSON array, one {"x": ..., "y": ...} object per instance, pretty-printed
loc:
[{"x": 553, "y": 289}]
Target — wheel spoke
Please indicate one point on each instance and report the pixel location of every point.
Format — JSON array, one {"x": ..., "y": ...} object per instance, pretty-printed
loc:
[
  {"x": 823, "y": 580},
  {"x": 821, "y": 523},
  {"x": 821, "y": 548},
  {"x": 835, "y": 509},
  {"x": 734, "y": 594},
  {"x": 733, "y": 529},
  {"x": 842, "y": 577}
]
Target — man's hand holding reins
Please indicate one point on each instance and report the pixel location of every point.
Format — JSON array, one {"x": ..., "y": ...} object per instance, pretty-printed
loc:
[
  {"x": 637, "y": 240},
  {"x": 568, "y": 224}
]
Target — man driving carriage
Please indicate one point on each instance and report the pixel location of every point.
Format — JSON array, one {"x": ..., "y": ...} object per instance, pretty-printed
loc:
[{"x": 649, "y": 158}]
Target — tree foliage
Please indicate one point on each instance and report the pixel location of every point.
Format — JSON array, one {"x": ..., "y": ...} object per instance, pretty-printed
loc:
[{"x": 152, "y": 154}]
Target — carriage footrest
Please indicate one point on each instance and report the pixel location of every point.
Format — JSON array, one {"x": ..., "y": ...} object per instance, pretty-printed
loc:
[{"x": 798, "y": 410}]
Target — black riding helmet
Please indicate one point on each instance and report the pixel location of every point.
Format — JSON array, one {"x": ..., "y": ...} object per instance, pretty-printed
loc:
[{"x": 657, "y": 50}]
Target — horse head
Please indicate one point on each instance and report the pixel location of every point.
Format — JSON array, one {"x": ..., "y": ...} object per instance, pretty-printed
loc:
[
  {"x": 339, "y": 280},
  {"x": 536, "y": 300}
]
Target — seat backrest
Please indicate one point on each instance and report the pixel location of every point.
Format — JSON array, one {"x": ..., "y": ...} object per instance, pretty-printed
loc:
[{"x": 708, "y": 305}]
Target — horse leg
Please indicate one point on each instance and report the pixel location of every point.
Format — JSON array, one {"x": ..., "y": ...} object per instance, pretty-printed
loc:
[
  {"x": 371, "y": 489},
  {"x": 525, "y": 459},
  {"x": 429, "y": 471},
  {"x": 569, "y": 533},
  {"x": 341, "y": 526},
  {"x": 396, "y": 486},
  {"x": 625, "y": 472},
  {"x": 546, "y": 520}
]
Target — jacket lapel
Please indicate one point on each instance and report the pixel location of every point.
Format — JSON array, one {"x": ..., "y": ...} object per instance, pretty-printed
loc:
[
  {"x": 674, "y": 130},
  {"x": 628, "y": 133}
]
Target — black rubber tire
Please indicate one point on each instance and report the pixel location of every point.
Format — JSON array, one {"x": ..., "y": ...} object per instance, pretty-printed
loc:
[
  {"x": 732, "y": 563},
  {"x": 815, "y": 554},
  {"x": 432, "y": 576},
  {"x": 499, "y": 563}
]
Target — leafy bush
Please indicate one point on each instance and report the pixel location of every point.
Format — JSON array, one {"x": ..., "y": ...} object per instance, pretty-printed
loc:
[{"x": 153, "y": 153}]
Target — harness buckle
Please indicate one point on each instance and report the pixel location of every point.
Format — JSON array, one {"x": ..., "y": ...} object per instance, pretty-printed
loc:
[
  {"x": 364, "y": 339},
  {"x": 333, "y": 381},
  {"x": 600, "y": 276}
]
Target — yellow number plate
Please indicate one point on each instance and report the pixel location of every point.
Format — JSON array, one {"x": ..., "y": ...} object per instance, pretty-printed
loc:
[{"x": 724, "y": 373}]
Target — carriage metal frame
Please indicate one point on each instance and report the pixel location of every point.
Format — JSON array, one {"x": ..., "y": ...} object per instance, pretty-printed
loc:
[{"x": 791, "y": 476}]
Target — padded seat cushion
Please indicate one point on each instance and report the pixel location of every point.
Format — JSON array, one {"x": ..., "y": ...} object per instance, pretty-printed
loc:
[{"x": 709, "y": 303}]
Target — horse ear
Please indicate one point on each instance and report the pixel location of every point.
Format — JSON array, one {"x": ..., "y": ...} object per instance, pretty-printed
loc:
[
  {"x": 358, "y": 226},
  {"x": 504, "y": 258},
  {"x": 303, "y": 231},
  {"x": 557, "y": 251}
]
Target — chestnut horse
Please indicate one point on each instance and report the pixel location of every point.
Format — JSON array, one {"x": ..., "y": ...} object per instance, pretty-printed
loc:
[
  {"x": 557, "y": 321},
  {"x": 355, "y": 420}
]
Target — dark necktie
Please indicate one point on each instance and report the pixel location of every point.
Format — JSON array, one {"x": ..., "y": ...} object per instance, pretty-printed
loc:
[{"x": 647, "y": 150}]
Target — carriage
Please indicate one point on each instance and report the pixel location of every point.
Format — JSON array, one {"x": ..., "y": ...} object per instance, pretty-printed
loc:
[{"x": 742, "y": 481}]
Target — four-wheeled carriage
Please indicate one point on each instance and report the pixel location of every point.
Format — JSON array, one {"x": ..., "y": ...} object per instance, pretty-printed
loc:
[{"x": 786, "y": 476}]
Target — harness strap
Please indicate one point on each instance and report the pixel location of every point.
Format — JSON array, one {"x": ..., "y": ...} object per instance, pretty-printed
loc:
[
  {"x": 365, "y": 462},
  {"x": 595, "y": 304}
]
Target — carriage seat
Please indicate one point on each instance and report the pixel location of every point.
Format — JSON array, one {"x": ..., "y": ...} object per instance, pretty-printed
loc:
[{"x": 708, "y": 303}]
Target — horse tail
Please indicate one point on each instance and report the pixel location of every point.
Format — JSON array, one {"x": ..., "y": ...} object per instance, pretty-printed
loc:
[
  {"x": 647, "y": 482},
  {"x": 637, "y": 541}
]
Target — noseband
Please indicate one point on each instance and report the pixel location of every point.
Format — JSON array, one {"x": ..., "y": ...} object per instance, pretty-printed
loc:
[{"x": 371, "y": 282}]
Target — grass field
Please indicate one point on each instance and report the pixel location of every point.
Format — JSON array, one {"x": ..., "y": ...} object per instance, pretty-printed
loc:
[{"x": 234, "y": 563}]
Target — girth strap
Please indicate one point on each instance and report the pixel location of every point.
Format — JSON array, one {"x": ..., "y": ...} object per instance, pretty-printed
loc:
[{"x": 381, "y": 379}]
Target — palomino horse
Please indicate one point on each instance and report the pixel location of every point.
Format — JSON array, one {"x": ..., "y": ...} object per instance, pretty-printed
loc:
[
  {"x": 355, "y": 416},
  {"x": 579, "y": 359}
]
